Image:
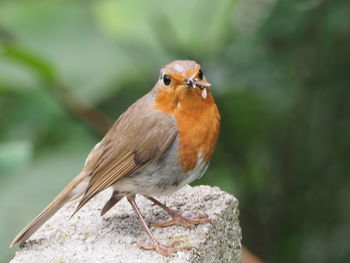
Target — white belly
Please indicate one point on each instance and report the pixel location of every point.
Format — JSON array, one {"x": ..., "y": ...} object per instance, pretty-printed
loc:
[{"x": 161, "y": 178}]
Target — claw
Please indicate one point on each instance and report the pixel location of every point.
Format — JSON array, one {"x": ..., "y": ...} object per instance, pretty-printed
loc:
[
  {"x": 177, "y": 219},
  {"x": 201, "y": 216},
  {"x": 165, "y": 250},
  {"x": 184, "y": 222}
]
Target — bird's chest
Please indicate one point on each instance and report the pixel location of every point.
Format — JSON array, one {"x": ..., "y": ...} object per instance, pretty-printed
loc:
[
  {"x": 197, "y": 139},
  {"x": 198, "y": 123}
]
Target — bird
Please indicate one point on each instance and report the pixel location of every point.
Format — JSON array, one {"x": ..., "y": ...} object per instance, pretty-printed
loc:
[{"x": 162, "y": 142}]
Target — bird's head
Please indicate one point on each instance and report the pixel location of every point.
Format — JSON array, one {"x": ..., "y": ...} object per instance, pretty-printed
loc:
[{"x": 181, "y": 83}]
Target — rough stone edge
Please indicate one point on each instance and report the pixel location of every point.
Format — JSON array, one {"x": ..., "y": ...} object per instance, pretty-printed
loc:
[{"x": 217, "y": 249}]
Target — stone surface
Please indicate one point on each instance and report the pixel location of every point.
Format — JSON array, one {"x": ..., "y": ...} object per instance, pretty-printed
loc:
[{"x": 88, "y": 237}]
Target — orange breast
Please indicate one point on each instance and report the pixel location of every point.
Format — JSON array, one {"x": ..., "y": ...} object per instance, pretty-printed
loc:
[{"x": 198, "y": 122}]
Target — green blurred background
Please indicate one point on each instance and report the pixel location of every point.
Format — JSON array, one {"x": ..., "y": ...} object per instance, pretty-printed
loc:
[{"x": 281, "y": 78}]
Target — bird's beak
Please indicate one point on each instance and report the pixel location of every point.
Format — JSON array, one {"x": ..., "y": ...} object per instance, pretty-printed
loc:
[{"x": 192, "y": 83}]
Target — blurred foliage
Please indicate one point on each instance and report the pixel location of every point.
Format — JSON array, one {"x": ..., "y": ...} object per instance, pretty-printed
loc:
[{"x": 280, "y": 75}]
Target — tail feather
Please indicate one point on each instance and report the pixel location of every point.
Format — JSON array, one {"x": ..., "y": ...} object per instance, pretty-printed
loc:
[
  {"x": 69, "y": 193},
  {"x": 115, "y": 198}
]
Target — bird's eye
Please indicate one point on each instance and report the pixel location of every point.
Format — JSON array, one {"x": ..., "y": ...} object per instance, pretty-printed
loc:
[
  {"x": 200, "y": 74},
  {"x": 166, "y": 80}
]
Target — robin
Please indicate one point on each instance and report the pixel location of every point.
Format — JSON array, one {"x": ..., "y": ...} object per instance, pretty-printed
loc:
[{"x": 162, "y": 142}]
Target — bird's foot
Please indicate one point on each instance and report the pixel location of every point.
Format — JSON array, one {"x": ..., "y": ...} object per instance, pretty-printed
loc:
[
  {"x": 165, "y": 250},
  {"x": 183, "y": 221}
]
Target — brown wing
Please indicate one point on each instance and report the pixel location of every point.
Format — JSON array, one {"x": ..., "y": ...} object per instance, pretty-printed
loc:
[{"x": 140, "y": 136}]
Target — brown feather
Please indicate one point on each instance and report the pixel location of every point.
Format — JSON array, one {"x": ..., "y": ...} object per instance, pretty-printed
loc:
[
  {"x": 140, "y": 136},
  {"x": 115, "y": 198}
]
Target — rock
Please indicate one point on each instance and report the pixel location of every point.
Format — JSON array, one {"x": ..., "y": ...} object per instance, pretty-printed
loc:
[{"x": 88, "y": 237}]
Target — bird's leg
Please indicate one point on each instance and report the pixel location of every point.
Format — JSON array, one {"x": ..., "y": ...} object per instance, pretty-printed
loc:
[
  {"x": 177, "y": 219},
  {"x": 155, "y": 245}
]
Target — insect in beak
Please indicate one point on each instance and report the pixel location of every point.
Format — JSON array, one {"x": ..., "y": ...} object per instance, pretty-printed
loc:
[
  {"x": 193, "y": 83},
  {"x": 203, "y": 85}
]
